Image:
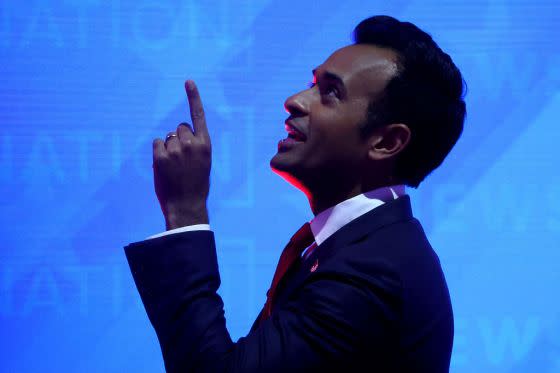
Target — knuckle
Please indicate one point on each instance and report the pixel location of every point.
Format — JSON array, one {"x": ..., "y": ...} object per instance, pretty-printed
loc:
[
  {"x": 174, "y": 154},
  {"x": 202, "y": 148},
  {"x": 173, "y": 150},
  {"x": 206, "y": 149},
  {"x": 186, "y": 142},
  {"x": 198, "y": 113},
  {"x": 159, "y": 160}
]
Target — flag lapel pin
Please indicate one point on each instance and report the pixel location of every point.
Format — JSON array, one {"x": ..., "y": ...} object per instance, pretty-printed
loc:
[{"x": 314, "y": 266}]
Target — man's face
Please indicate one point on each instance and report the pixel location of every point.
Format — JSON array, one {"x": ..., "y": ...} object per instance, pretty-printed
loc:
[{"x": 327, "y": 144}]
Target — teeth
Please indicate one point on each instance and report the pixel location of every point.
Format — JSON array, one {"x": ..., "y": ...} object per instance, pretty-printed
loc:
[
  {"x": 289, "y": 129},
  {"x": 292, "y": 132}
]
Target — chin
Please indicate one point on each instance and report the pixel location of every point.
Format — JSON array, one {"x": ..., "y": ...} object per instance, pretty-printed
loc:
[
  {"x": 280, "y": 163},
  {"x": 283, "y": 170}
]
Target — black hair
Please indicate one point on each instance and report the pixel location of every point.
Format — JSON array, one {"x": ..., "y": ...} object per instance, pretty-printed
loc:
[{"x": 426, "y": 94}]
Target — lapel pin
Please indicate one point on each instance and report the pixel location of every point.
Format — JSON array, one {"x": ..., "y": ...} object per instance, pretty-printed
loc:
[{"x": 314, "y": 266}]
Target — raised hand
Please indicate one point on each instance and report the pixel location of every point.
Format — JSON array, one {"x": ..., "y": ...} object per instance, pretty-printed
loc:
[{"x": 182, "y": 165}]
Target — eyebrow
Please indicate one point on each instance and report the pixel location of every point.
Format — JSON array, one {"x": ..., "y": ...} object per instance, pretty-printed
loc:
[{"x": 330, "y": 75}]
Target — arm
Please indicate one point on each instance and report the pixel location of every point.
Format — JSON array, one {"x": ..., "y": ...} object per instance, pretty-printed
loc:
[
  {"x": 324, "y": 325},
  {"x": 177, "y": 278}
]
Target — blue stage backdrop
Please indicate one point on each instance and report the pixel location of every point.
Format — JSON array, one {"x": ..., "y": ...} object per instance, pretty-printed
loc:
[{"x": 85, "y": 85}]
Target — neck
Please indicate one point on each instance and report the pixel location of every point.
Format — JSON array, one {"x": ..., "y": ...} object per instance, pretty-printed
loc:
[{"x": 322, "y": 199}]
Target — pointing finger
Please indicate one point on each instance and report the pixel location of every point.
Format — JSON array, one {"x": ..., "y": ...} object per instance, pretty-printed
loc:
[{"x": 197, "y": 110}]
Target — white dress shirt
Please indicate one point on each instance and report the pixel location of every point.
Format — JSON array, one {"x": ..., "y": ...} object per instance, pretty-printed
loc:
[
  {"x": 196, "y": 227},
  {"x": 329, "y": 221}
]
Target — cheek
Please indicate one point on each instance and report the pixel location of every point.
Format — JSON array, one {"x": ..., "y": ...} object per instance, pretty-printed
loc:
[
  {"x": 336, "y": 126},
  {"x": 334, "y": 145},
  {"x": 337, "y": 130}
]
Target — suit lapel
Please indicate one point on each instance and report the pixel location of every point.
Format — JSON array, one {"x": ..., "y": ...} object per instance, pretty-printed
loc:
[{"x": 388, "y": 213}]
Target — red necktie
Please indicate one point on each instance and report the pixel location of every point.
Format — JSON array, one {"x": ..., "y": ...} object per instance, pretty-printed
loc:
[{"x": 300, "y": 240}]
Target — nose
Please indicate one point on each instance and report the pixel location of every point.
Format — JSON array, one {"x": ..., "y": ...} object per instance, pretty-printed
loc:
[{"x": 296, "y": 105}]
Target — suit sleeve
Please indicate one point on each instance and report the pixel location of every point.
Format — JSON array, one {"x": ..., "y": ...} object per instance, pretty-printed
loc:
[{"x": 325, "y": 324}]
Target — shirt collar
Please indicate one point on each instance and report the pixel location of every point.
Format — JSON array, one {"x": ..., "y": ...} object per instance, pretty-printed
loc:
[{"x": 327, "y": 222}]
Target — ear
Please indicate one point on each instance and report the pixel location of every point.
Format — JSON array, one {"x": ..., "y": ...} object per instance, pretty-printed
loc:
[{"x": 388, "y": 141}]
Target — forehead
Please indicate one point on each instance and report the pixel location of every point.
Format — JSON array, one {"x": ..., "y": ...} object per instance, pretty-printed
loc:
[{"x": 364, "y": 68}]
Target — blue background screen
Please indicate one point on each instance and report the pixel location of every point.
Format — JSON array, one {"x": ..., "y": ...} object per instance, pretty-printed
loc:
[{"x": 85, "y": 85}]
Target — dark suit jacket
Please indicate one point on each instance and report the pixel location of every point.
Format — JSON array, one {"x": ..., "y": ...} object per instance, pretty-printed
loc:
[{"x": 377, "y": 302}]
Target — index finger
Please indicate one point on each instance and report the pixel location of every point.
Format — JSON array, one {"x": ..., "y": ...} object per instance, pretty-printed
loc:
[{"x": 197, "y": 110}]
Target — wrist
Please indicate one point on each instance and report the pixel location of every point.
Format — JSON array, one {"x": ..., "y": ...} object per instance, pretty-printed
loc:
[{"x": 177, "y": 218}]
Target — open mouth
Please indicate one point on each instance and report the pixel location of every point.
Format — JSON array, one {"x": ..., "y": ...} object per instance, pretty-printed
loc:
[{"x": 294, "y": 133}]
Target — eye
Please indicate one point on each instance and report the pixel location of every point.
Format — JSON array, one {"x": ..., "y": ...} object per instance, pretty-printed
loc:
[{"x": 331, "y": 91}]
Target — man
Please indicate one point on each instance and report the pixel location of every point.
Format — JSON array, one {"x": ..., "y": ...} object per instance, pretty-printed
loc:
[{"x": 357, "y": 288}]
